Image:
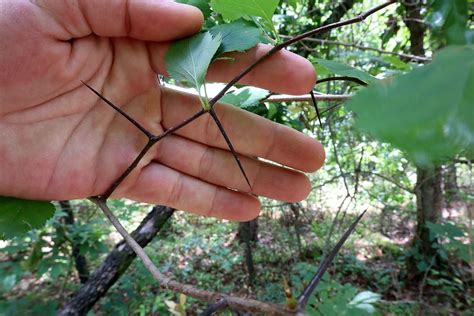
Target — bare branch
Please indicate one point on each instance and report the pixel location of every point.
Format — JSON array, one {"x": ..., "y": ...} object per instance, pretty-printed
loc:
[
  {"x": 238, "y": 303},
  {"x": 307, "y": 98},
  {"x": 304, "y": 297},
  {"x": 392, "y": 181},
  {"x": 420, "y": 59}
]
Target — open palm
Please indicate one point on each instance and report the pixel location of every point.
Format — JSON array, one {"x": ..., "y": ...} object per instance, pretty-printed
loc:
[{"x": 59, "y": 141}]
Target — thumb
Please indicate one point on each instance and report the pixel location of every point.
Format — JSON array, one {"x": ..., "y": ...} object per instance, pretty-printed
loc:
[{"x": 150, "y": 20}]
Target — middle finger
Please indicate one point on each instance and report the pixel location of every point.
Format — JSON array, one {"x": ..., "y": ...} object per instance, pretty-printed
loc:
[{"x": 250, "y": 134}]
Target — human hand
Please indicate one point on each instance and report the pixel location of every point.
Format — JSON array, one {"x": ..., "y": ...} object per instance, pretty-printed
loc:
[{"x": 59, "y": 141}]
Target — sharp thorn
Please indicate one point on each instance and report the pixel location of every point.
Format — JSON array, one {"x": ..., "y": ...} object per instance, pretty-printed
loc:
[
  {"x": 229, "y": 144},
  {"x": 315, "y": 104}
]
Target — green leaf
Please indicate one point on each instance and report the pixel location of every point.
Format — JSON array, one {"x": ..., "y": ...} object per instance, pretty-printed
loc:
[
  {"x": 345, "y": 70},
  {"x": 449, "y": 20},
  {"x": 245, "y": 97},
  {"x": 19, "y": 216},
  {"x": 397, "y": 63},
  {"x": 428, "y": 113},
  {"x": 365, "y": 297},
  {"x": 239, "y": 36},
  {"x": 202, "y": 5},
  {"x": 293, "y": 3},
  {"x": 321, "y": 70},
  {"x": 234, "y": 9},
  {"x": 445, "y": 229},
  {"x": 188, "y": 59}
]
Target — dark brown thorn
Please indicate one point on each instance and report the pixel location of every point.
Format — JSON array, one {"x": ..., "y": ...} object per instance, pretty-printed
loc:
[
  {"x": 315, "y": 104},
  {"x": 129, "y": 169},
  {"x": 304, "y": 297},
  {"x": 229, "y": 144},
  {"x": 116, "y": 108},
  {"x": 343, "y": 78},
  {"x": 173, "y": 129}
]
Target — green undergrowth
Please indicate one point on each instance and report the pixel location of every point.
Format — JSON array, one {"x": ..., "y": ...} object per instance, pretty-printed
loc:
[{"x": 364, "y": 279}]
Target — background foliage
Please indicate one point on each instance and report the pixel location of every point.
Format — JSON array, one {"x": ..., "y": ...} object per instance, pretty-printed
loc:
[{"x": 410, "y": 115}]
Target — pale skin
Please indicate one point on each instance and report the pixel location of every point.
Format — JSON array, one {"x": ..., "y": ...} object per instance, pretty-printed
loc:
[{"x": 59, "y": 141}]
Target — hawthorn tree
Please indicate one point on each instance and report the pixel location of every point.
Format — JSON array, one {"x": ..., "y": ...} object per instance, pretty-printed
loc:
[{"x": 429, "y": 136}]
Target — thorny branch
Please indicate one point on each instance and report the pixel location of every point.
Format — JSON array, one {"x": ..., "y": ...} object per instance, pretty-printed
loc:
[
  {"x": 295, "y": 39},
  {"x": 237, "y": 303}
]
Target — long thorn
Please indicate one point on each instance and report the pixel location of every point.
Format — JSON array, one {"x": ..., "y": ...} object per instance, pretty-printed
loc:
[
  {"x": 116, "y": 108},
  {"x": 129, "y": 169},
  {"x": 304, "y": 297},
  {"x": 180, "y": 125},
  {"x": 229, "y": 143},
  {"x": 343, "y": 78},
  {"x": 315, "y": 104},
  {"x": 153, "y": 140}
]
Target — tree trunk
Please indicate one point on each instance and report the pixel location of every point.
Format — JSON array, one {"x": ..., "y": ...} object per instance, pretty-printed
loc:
[
  {"x": 429, "y": 203},
  {"x": 450, "y": 185},
  {"x": 337, "y": 13},
  {"x": 414, "y": 21},
  {"x": 247, "y": 235},
  {"x": 79, "y": 259},
  {"x": 116, "y": 263},
  {"x": 429, "y": 198}
]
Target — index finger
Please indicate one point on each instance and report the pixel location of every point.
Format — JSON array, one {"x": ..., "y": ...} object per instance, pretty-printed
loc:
[{"x": 282, "y": 72}]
